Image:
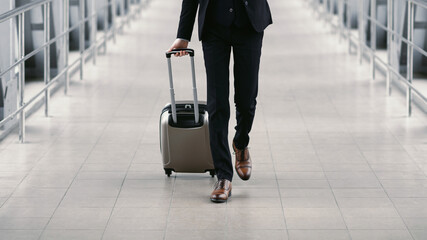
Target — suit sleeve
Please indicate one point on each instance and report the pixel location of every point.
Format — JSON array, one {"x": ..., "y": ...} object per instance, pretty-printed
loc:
[{"x": 187, "y": 18}]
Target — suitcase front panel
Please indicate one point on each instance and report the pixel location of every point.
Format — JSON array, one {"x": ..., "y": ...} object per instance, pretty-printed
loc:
[{"x": 185, "y": 149}]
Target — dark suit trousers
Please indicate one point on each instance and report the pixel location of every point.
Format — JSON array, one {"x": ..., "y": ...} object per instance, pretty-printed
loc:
[{"x": 218, "y": 42}]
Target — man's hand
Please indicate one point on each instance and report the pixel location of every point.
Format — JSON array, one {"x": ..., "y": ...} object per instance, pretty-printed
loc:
[{"x": 179, "y": 43}]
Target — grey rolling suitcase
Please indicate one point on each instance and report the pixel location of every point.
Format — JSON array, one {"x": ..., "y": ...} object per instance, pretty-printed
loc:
[{"x": 184, "y": 131}]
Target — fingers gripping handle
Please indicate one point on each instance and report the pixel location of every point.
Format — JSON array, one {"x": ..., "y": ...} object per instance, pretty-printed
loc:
[
  {"x": 177, "y": 50},
  {"x": 172, "y": 91}
]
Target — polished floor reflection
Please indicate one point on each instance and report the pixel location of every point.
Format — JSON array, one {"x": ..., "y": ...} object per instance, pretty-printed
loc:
[{"x": 334, "y": 157}]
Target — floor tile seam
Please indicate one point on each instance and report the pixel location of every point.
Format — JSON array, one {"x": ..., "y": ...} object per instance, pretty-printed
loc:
[
  {"x": 334, "y": 197},
  {"x": 35, "y": 164},
  {"x": 124, "y": 179},
  {"x": 410, "y": 197},
  {"x": 274, "y": 168},
  {"x": 347, "y": 187},
  {"x": 13, "y": 230},
  {"x": 317, "y": 157},
  {"x": 388, "y": 197},
  {"x": 131, "y": 162},
  {"x": 9, "y": 141},
  {"x": 227, "y": 208},
  {"x": 75, "y": 177},
  {"x": 348, "y": 230},
  {"x": 25, "y": 229},
  {"x": 305, "y": 124},
  {"x": 404, "y": 179},
  {"x": 75, "y": 229},
  {"x": 406, "y": 151},
  {"x": 169, "y": 208},
  {"x": 375, "y": 174},
  {"x": 83, "y": 163}
]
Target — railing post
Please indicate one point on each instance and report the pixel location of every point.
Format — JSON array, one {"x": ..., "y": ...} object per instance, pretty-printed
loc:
[
  {"x": 136, "y": 11},
  {"x": 114, "y": 21},
  {"x": 122, "y": 15},
  {"x": 316, "y": 1},
  {"x": 82, "y": 36},
  {"x": 361, "y": 26},
  {"x": 46, "y": 34},
  {"x": 389, "y": 44},
  {"x": 94, "y": 29},
  {"x": 66, "y": 44},
  {"x": 410, "y": 59},
  {"x": 348, "y": 25},
  {"x": 373, "y": 35},
  {"x": 325, "y": 10},
  {"x": 129, "y": 14},
  {"x": 340, "y": 19},
  {"x": 21, "y": 51},
  {"x": 132, "y": 13},
  {"x": 106, "y": 12},
  {"x": 142, "y": 4},
  {"x": 13, "y": 25}
]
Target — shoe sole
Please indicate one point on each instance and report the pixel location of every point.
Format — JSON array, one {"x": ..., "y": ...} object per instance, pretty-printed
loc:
[{"x": 220, "y": 200}]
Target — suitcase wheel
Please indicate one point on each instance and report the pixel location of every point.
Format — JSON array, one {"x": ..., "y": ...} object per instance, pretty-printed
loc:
[
  {"x": 212, "y": 173},
  {"x": 168, "y": 172}
]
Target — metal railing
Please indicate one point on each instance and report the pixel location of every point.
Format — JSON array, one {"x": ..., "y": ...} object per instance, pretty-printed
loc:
[
  {"x": 324, "y": 10},
  {"x": 17, "y": 18}
]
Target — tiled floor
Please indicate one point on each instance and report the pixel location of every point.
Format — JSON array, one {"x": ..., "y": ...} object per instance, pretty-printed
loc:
[{"x": 334, "y": 158}]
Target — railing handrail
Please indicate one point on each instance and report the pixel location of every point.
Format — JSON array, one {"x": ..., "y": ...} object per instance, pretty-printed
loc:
[
  {"x": 61, "y": 36},
  {"x": 392, "y": 35},
  {"x": 396, "y": 34},
  {"x": 16, "y": 11},
  {"x": 419, "y": 3}
]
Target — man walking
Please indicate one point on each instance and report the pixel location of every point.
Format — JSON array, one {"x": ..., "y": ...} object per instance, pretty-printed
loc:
[{"x": 225, "y": 26}]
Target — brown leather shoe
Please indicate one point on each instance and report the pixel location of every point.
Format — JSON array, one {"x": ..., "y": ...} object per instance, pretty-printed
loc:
[
  {"x": 222, "y": 191},
  {"x": 243, "y": 164}
]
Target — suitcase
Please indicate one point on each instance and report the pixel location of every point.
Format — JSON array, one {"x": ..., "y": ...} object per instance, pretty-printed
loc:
[{"x": 184, "y": 131}]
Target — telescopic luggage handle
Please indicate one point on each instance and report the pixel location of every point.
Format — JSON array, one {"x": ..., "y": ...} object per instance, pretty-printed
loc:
[
  {"x": 172, "y": 91},
  {"x": 177, "y": 50}
]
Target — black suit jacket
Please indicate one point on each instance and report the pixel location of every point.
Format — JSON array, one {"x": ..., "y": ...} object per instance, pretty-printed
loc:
[{"x": 258, "y": 12}]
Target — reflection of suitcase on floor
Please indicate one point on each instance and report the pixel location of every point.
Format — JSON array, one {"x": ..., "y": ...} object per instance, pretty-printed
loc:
[{"x": 184, "y": 132}]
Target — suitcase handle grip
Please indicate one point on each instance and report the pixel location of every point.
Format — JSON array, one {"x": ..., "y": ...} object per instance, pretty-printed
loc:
[
  {"x": 177, "y": 50},
  {"x": 172, "y": 91}
]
